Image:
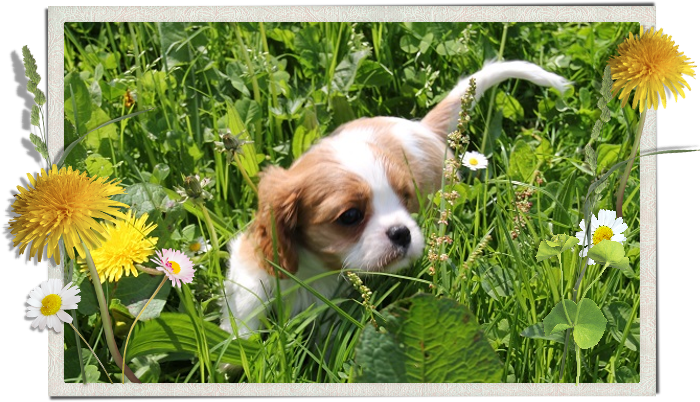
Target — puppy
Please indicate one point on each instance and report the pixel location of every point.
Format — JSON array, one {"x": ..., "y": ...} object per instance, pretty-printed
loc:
[{"x": 346, "y": 203}]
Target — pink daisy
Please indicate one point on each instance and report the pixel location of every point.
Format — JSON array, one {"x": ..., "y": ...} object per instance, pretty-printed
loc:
[{"x": 176, "y": 265}]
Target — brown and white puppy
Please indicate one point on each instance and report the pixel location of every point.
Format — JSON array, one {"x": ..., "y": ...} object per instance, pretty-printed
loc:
[{"x": 346, "y": 203}]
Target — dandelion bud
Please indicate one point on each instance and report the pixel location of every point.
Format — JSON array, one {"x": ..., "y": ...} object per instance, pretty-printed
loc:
[{"x": 192, "y": 187}]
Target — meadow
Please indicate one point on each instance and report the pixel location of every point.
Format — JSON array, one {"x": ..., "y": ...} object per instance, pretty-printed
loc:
[{"x": 281, "y": 86}]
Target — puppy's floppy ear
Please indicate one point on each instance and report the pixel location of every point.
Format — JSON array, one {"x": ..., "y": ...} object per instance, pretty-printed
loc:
[{"x": 275, "y": 224}]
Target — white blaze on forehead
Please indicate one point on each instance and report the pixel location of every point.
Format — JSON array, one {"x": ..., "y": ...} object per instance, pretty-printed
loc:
[{"x": 352, "y": 149}]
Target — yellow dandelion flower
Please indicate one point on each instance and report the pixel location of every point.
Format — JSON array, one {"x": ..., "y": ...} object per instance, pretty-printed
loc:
[
  {"x": 651, "y": 63},
  {"x": 126, "y": 244},
  {"x": 63, "y": 204}
]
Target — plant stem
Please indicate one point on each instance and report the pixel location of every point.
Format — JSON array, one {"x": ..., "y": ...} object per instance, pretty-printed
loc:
[
  {"x": 493, "y": 92},
  {"x": 247, "y": 179},
  {"x": 254, "y": 80},
  {"x": 578, "y": 364},
  {"x": 126, "y": 343},
  {"x": 93, "y": 352},
  {"x": 625, "y": 333},
  {"x": 106, "y": 319},
  {"x": 630, "y": 164},
  {"x": 590, "y": 285},
  {"x": 273, "y": 88},
  {"x": 214, "y": 240},
  {"x": 80, "y": 350}
]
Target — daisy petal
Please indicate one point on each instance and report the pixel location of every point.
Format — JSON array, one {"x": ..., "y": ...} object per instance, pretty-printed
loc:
[{"x": 63, "y": 316}]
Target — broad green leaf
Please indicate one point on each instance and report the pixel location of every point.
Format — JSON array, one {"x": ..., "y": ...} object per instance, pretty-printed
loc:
[
  {"x": 142, "y": 197},
  {"x": 545, "y": 251},
  {"x": 173, "y": 35},
  {"x": 248, "y": 110},
  {"x": 88, "y": 301},
  {"x": 608, "y": 154},
  {"x": 153, "y": 85},
  {"x": 613, "y": 253},
  {"x": 147, "y": 368},
  {"x": 99, "y": 71},
  {"x": 522, "y": 162},
  {"x": 449, "y": 48},
  {"x": 39, "y": 145},
  {"x": 282, "y": 35},
  {"x": 234, "y": 72},
  {"x": 134, "y": 292},
  {"x": 584, "y": 96},
  {"x": 73, "y": 143},
  {"x": 160, "y": 173},
  {"x": 511, "y": 107},
  {"x": 558, "y": 317},
  {"x": 537, "y": 332},
  {"x": 373, "y": 74},
  {"x": 302, "y": 140},
  {"x": 344, "y": 74},
  {"x": 109, "y": 132},
  {"x": 342, "y": 111},
  {"x": 558, "y": 244},
  {"x": 585, "y": 318},
  {"x": 81, "y": 98},
  {"x": 247, "y": 154},
  {"x": 544, "y": 151},
  {"x": 174, "y": 333},
  {"x": 426, "y": 340},
  {"x": 409, "y": 44},
  {"x": 315, "y": 51},
  {"x": 498, "y": 334},
  {"x": 97, "y": 165},
  {"x": 590, "y": 324},
  {"x": 618, "y": 314},
  {"x": 72, "y": 367}
]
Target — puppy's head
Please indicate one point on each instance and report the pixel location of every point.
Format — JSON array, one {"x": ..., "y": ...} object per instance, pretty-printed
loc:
[{"x": 346, "y": 201}]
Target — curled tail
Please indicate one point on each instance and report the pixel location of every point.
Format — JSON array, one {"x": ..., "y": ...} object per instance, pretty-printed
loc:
[{"x": 442, "y": 119}]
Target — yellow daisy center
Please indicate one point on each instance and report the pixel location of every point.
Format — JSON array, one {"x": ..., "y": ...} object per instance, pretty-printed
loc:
[
  {"x": 602, "y": 233},
  {"x": 50, "y": 305},
  {"x": 473, "y": 161},
  {"x": 174, "y": 266},
  {"x": 196, "y": 246}
]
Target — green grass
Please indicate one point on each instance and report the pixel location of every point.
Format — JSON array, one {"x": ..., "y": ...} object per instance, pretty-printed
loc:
[{"x": 284, "y": 85}]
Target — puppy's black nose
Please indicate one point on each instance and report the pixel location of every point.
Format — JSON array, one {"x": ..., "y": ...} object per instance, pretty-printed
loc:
[{"x": 399, "y": 235}]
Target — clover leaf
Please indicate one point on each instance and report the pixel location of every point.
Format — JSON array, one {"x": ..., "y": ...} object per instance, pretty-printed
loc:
[{"x": 557, "y": 245}]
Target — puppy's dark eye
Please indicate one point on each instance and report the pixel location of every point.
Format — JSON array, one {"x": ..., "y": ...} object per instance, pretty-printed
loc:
[{"x": 351, "y": 217}]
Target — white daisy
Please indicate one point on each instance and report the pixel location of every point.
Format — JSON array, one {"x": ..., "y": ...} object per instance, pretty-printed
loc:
[
  {"x": 474, "y": 160},
  {"x": 197, "y": 246},
  {"x": 605, "y": 227},
  {"x": 176, "y": 266},
  {"x": 47, "y": 302}
]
